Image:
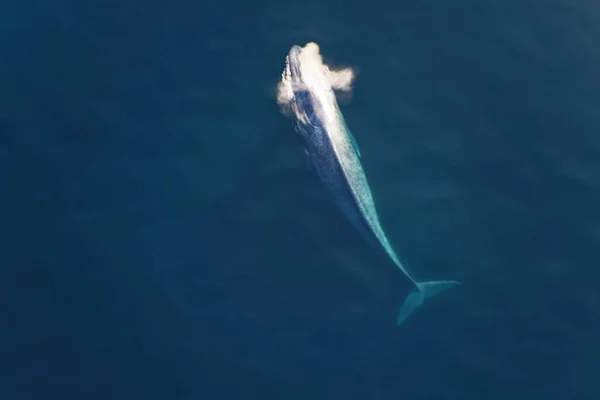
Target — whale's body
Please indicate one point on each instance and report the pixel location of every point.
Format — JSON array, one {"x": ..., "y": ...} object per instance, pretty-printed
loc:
[{"x": 307, "y": 87}]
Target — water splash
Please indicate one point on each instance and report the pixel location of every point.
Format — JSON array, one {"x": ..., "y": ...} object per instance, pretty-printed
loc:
[{"x": 314, "y": 73}]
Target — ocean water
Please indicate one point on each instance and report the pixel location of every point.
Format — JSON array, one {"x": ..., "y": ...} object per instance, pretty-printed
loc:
[{"x": 162, "y": 238}]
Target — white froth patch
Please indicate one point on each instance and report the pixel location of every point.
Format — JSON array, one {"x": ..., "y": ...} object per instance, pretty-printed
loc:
[{"x": 316, "y": 75}]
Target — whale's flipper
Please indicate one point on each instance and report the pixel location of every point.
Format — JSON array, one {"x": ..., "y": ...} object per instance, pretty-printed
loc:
[
  {"x": 418, "y": 295},
  {"x": 354, "y": 144},
  {"x": 309, "y": 164},
  {"x": 352, "y": 140}
]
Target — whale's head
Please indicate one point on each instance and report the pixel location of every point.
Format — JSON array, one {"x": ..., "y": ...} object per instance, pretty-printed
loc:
[
  {"x": 298, "y": 88},
  {"x": 293, "y": 64},
  {"x": 307, "y": 88}
]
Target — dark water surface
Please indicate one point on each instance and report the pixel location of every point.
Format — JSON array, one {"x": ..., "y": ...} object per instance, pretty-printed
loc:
[{"x": 161, "y": 237}]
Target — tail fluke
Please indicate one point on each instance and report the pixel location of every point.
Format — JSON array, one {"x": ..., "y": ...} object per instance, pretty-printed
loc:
[{"x": 418, "y": 295}]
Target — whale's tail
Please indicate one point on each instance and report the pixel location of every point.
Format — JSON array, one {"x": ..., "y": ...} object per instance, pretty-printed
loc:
[{"x": 418, "y": 295}]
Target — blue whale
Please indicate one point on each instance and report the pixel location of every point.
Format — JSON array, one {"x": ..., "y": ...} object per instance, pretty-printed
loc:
[{"x": 334, "y": 154}]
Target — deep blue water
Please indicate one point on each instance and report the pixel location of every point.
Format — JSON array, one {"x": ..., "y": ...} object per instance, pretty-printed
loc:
[{"x": 162, "y": 238}]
